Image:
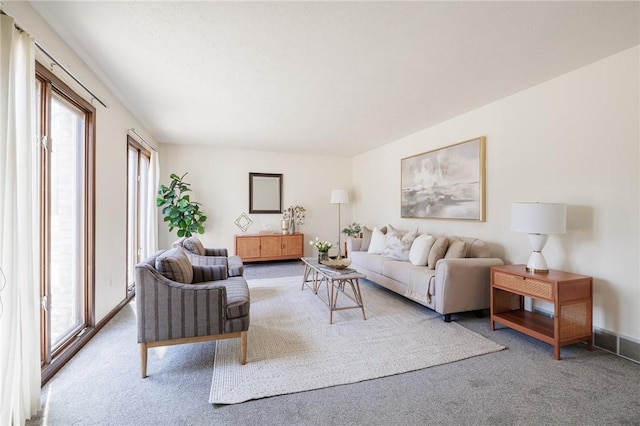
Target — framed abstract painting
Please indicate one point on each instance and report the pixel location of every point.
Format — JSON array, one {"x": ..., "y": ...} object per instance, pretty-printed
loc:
[{"x": 446, "y": 183}]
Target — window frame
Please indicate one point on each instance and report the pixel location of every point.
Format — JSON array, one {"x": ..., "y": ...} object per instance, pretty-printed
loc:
[{"x": 52, "y": 359}]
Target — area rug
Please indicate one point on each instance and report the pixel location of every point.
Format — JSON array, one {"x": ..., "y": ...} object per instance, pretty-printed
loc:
[{"x": 293, "y": 348}]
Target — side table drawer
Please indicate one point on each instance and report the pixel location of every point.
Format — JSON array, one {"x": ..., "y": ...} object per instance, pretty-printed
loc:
[{"x": 527, "y": 286}]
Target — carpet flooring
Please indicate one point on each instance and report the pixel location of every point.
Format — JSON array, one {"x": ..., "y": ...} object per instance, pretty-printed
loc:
[
  {"x": 522, "y": 385},
  {"x": 293, "y": 348}
]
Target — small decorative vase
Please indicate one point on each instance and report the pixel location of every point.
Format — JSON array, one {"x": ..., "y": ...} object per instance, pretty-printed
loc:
[
  {"x": 292, "y": 226},
  {"x": 284, "y": 226},
  {"x": 323, "y": 255}
]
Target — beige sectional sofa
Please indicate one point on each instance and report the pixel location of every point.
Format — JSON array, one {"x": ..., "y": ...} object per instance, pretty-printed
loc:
[{"x": 454, "y": 279}]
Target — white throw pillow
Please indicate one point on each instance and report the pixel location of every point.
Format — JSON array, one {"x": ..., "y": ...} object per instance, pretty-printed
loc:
[
  {"x": 377, "y": 242},
  {"x": 419, "y": 253}
]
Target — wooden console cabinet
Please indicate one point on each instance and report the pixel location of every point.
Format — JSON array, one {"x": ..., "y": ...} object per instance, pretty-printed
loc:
[
  {"x": 571, "y": 295},
  {"x": 262, "y": 247}
]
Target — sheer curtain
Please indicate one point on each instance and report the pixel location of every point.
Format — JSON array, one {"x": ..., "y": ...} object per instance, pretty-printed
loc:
[
  {"x": 19, "y": 288},
  {"x": 150, "y": 244}
]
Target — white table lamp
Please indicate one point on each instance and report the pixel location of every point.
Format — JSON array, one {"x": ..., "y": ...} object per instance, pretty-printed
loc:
[
  {"x": 538, "y": 220},
  {"x": 339, "y": 196}
]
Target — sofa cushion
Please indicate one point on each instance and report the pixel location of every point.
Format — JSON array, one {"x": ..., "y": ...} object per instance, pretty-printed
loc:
[
  {"x": 457, "y": 249},
  {"x": 437, "y": 251},
  {"x": 174, "y": 265},
  {"x": 419, "y": 252},
  {"x": 194, "y": 245},
  {"x": 396, "y": 247},
  {"x": 399, "y": 271},
  {"x": 377, "y": 242},
  {"x": 372, "y": 262}
]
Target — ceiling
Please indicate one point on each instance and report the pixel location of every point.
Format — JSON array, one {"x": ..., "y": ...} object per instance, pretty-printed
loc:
[{"x": 337, "y": 78}]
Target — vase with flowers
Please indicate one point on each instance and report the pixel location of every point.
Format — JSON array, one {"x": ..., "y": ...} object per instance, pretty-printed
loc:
[
  {"x": 322, "y": 247},
  {"x": 294, "y": 215}
]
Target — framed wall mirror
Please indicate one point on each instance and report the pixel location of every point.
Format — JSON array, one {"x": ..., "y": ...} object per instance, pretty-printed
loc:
[{"x": 265, "y": 193}]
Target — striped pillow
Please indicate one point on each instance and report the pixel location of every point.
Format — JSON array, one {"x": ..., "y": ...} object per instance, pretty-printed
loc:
[
  {"x": 174, "y": 265},
  {"x": 209, "y": 273},
  {"x": 194, "y": 245}
]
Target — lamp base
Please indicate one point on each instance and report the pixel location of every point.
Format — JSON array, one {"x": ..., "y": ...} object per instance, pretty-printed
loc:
[{"x": 537, "y": 263}]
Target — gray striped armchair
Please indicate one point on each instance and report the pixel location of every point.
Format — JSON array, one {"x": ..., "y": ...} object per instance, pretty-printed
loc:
[
  {"x": 178, "y": 302},
  {"x": 201, "y": 256}
]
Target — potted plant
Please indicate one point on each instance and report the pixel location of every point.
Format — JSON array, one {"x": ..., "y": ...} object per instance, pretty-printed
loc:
[
  {"x": 179, "y": 210},
  {"x": 352, "y": 230}
]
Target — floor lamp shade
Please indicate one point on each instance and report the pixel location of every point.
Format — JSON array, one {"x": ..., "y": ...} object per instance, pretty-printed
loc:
[
  {"x": 339, "y": 196},
  {"x": 538, "y": 220}
]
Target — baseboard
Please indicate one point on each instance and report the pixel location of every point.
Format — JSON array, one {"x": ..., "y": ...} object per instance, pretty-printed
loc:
[
  {"x": 49, "y": 370},
  {"x": 622, "y": 346}
]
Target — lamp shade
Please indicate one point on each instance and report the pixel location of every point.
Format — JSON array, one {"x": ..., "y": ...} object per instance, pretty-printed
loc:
[
  {"x": 539, "y": 218},
  {"x": 339, "y": 196}
]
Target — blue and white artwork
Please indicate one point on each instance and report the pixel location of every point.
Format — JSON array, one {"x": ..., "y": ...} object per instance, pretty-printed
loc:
[{"x": 447, "y": 183}]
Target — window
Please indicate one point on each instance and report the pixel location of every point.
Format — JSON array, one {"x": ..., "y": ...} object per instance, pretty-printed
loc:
[
  {"x": 65, "y": 126},
  {"x": 138, "y": 205}
]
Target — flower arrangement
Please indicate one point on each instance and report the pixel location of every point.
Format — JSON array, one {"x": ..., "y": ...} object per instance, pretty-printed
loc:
[
  {"x": 352, "y": 230},
  {"x": 322, "y": 246},
  {"x": 296, "y": 213}
]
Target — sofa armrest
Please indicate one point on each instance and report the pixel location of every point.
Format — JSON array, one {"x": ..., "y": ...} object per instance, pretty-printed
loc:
[
  {"x": 236, "y": 267},
  {"x": 463, "y": 284},
  {"x": 353, "y": 244}
]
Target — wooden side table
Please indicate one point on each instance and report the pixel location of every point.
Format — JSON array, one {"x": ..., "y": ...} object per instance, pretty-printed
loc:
[{"x": 571, "y": 295}]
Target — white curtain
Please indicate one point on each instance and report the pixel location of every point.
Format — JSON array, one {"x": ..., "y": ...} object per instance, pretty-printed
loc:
[
  {"x": 150, "y": 243},
  {"x": 19, "y": 288}
]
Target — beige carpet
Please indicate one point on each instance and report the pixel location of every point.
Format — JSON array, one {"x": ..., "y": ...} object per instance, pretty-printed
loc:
[{"x": 293, "y": 348}]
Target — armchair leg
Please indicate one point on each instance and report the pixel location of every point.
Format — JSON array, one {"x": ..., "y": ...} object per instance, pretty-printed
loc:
[
  {"x": 243, "y": 347},
  {"x": 143, "y": 359}
]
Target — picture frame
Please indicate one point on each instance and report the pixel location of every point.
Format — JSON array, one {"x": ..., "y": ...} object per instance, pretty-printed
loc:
[
  {"x": 446, "y": 183},
  {"x": 265, "y": 193}
]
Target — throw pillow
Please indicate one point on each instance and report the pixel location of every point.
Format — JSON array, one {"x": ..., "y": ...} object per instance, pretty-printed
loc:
[
  {"x": 437, "y": 251},
  {"x": 419, "y": 252},
  {"x": 366, "y": 238},
  {"x": 377, "y": 242},
  {"x": 457, "y": 250},
  {"x": 393, "y": 231},
  {"x": 398, "y": 247},
  {"x": 194, "y": 245},
  {"x": 174, "y": 265}
]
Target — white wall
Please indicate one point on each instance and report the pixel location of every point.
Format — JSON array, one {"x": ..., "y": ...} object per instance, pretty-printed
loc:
[
  {"x": 220, "y": 181},
  {"x": 111, "y": 160},
  {"x": 573, "y": 139}
]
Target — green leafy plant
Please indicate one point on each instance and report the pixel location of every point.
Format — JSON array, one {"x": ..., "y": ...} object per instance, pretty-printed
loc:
[
  {"x": 352, "y": 230},
  {"x": 179, "y": 210}
]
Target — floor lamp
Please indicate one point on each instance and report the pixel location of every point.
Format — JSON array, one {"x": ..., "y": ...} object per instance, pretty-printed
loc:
[{"x": 339, "y": 196}]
